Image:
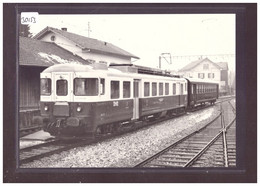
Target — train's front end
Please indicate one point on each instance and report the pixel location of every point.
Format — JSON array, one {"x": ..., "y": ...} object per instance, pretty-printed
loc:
[{"x": 63, "y": 110}]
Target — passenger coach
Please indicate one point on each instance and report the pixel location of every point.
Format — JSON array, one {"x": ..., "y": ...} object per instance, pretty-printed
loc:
[
  {"x": 86, "y": 100},
  {"x": 201, "y": 92}
]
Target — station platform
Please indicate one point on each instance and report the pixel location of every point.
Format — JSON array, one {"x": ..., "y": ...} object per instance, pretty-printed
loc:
[{"x": 38, "y": 136}]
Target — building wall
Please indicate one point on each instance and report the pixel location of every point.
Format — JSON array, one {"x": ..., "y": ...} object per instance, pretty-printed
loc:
[
  {"x": 29, "y": 95},
  {"x": 71, "y": 46},
  {"x": 29, "y": 84},
  {"x": 194, "y": 73},
  {"x": 207, "y": 67}
]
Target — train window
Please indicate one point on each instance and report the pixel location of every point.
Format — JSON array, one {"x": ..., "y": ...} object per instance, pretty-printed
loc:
[
  {"x": 146, "y": 89},
  {"x": 193, "y": 90},
  {"x": 154, "y": 89},
  {"x": 45, "y": 86},
  {"x": 160, "y": 88},
  {"x": 126, "y": 89},
  {"x": 102, "y": 86},
  {"x": 86, "y": 86},
  {"x": 136, "y": 89},
  {"x": 181, "y": 89},
  {"x": 166, "y": 88},
  {"x": 62, "y": 87},
  {"x": 173, "y": 88},
  {"x": 114, "y": 89}
]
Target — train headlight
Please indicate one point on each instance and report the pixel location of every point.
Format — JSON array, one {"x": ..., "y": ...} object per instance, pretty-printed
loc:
[
  {"x": 46, "y": 108},
  {"x": 79, "y": 109}
]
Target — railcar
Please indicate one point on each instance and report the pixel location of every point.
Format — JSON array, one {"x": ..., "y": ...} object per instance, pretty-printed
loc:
[
  {"x": 85, "y": 100},
  {"x": 201, "y": 92}
]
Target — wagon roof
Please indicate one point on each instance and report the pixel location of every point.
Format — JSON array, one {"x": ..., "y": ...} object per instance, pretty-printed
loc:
[
  {"x": 39, "y": 53},
  {"x": 196, "y": 80},
  {"x": 77, "y": 68},
  {"x": 69, "y": 68}
]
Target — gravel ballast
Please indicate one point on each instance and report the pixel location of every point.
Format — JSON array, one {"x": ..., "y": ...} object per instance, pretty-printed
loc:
[{"x": 129, "y": 149}]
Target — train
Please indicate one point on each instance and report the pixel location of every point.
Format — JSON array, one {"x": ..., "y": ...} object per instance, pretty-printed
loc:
[{"x": 90, "y": 100}]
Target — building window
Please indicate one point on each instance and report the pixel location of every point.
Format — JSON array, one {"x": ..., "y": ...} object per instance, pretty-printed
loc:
[
  {"x": 201, "y": 75},
  {"x": 114, "y": 89},
  {"x": 146, "y": 89},
  {"x": 154, "y": 89},
  {"x": 205, "y": 66},
  {"x": 211, "y": 75},
  {"x": 126, "y": 89},
  {"x": 53, "y": 38}
]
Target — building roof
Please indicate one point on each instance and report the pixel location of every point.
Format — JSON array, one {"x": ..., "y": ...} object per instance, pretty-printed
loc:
[
  {"x": 39, "y": 53},
  {"x": 220, "y": 65},
  {"x": 87, "y": 43}
]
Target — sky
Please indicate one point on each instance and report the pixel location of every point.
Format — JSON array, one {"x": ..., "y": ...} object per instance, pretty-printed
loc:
[{"x": 149, "y": 35}]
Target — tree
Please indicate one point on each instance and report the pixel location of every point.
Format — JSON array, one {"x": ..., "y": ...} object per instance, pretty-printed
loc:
[{"x": 24, "y": 30}]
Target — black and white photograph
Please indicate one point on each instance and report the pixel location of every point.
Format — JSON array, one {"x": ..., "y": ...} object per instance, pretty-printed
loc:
[
  {"x": 153, "y": 91},
  {"x": 130, "y": 86}
]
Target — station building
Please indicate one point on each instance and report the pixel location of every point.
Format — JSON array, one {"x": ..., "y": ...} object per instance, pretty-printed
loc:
[{"x": 92, "y": 50}]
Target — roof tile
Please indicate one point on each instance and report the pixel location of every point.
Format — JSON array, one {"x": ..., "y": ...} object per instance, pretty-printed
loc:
[{"x": 39, "y": 53}]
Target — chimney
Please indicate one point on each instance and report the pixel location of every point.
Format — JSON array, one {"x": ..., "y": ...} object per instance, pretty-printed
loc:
[{"x": 64, "y": 29}]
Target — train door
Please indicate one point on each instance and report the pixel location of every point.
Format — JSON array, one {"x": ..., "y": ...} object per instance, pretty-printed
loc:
[
  {"x": 62, "y": 87},
  {"x": 136, "y": 94}
]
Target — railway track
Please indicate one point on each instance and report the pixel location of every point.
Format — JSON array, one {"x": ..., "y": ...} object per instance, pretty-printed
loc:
[
  {"x": 29, "y": 130},
  {"x": 36, "y": 152},
  {"x": 29, "y": 154},
  {"x": 212, "y": 146}
]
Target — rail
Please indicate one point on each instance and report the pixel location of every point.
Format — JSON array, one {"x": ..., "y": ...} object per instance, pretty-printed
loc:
[{"x": 160, "y": 156}]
